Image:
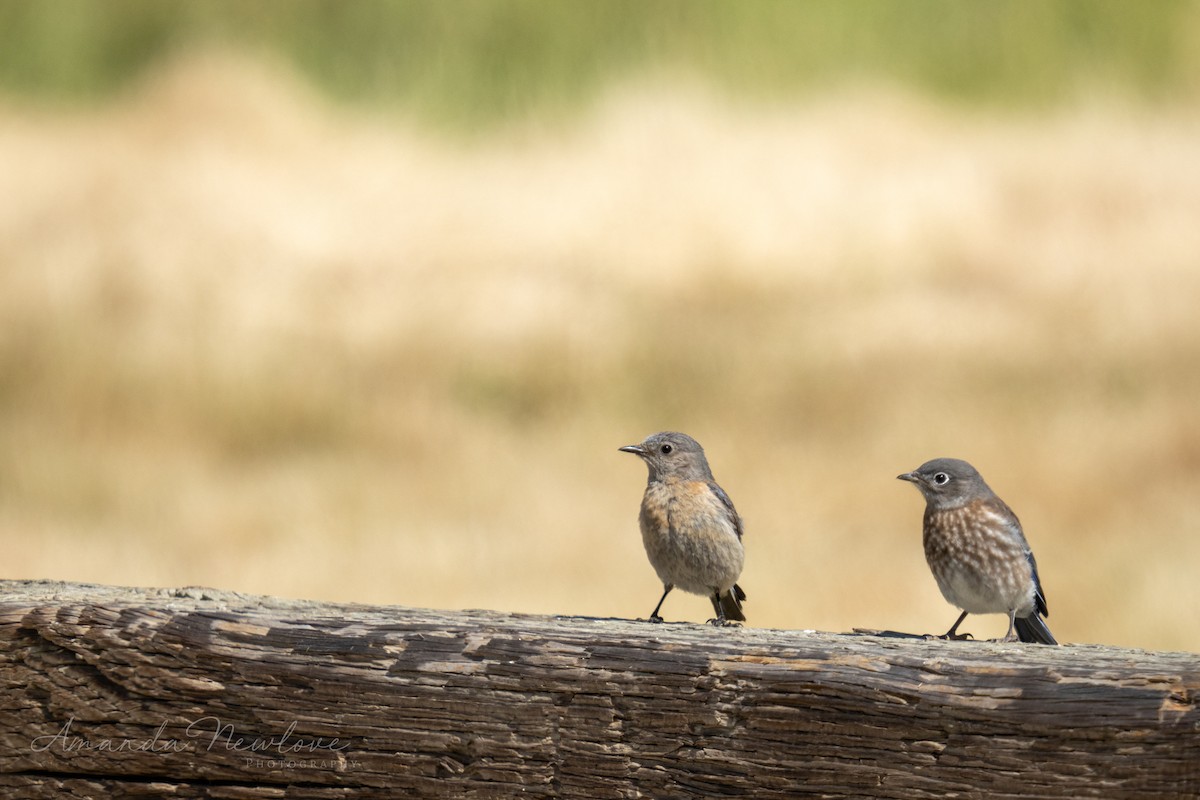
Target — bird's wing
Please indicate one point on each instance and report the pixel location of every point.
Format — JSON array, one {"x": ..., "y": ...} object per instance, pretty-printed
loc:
[
  {"x": 1014, "y": 526},
  {"x": 1039, "y": 595},
  {"x": 729, "y": 509}
]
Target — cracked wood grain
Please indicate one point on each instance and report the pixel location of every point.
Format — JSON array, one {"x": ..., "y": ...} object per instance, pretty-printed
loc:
[{"x": 111, "y": 691}]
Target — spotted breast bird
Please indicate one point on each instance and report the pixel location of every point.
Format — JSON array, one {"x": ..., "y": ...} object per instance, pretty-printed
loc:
[{"x": 977, "y": 551}]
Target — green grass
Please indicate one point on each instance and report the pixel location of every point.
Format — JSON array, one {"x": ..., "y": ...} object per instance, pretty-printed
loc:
[{"x": 478, "y": 62}]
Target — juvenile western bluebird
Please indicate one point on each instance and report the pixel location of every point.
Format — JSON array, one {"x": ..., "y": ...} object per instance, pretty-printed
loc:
[
  {"x": 977, "y": 551},
  {"x": 691, "y": 531}
]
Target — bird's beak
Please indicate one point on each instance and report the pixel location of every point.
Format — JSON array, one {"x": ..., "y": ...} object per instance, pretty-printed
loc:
[
  {"x": 636, "y": 449},
  {"x": 911, "y": 477}
]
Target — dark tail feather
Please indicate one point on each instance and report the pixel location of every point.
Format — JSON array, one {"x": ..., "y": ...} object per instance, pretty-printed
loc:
[
  {"x": 731, "y": 604},
  {"x": 1033, "y": 629}
]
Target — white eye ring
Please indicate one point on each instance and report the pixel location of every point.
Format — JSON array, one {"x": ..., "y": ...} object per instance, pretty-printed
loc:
[{"x": 941, "y": 479}]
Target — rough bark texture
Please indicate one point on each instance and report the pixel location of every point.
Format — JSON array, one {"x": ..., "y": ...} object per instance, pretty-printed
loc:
[{"x": 199, "y": 693}]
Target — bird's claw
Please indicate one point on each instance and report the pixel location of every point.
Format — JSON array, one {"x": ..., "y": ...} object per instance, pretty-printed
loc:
[{"x": 655, "y": 618}]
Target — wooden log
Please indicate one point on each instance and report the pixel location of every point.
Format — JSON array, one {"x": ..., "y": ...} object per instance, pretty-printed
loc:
[{"x": 111, "y": 691}]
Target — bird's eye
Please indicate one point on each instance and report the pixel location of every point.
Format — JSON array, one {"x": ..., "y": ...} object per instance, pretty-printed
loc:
[
  {"x": 941, "y": 479},
  {"x": 666, "y": 449}
]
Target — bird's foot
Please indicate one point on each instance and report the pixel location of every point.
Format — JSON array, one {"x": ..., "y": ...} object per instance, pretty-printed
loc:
[
  {"x": 950, "y": 637},
  {"x": 724, "y": 623},
  {"x": 1012, "y": 637},
  {"x": 655, "y": 618}
]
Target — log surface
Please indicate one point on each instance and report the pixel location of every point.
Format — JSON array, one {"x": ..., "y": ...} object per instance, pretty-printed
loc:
[{"x": 201, "y": 693}]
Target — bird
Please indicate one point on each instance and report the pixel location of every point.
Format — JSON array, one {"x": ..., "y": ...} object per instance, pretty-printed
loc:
[
  {"x": 977, "y": 551},
  {"x": 691, "y": 531}
]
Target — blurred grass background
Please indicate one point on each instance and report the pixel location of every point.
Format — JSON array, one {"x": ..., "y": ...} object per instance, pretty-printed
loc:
[
  {"x": 357, "y": 300},
  {"x": 475, "y": 63}
]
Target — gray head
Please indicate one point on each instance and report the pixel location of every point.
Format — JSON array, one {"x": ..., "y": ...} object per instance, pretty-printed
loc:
[
  {"x": 948, "y": 482},
  {"x": 672, "y": 455}
]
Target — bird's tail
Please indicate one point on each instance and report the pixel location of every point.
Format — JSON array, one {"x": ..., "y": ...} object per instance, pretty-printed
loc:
[
  {"x": 1033, "y": 629},
  {"x": 731, "y": 604}
]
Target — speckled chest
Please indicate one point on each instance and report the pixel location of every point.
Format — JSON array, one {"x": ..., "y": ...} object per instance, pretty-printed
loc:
[{"x": 978, "y": 557}]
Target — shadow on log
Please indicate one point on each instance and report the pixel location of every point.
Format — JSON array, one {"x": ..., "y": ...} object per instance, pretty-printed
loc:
[{"x": 199, "y": 693}]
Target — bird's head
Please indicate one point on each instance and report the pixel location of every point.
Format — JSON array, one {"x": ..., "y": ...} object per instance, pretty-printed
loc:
[
  {"x": 947, "y": 482},
  {"x": 670, "y": 454}
]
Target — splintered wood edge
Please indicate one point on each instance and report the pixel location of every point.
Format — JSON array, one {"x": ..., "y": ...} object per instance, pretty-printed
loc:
[{"x": 21, "y": 597}]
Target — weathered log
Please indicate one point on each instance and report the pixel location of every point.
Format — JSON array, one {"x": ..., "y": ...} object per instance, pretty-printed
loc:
[{"x": 198, "y": 693}]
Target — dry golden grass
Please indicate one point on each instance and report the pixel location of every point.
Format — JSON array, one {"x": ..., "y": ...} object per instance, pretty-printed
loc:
[{"x": 250, "y": 343}]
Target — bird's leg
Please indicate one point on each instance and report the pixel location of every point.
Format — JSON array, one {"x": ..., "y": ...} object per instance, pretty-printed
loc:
[
  {"x": 721, "y": 621},
  {"x": 1011, "y": 636},
  {"x": 716, "y": 601},
  {"x": 953, "y": 634},
  {"x": 654, "y": 617}
]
